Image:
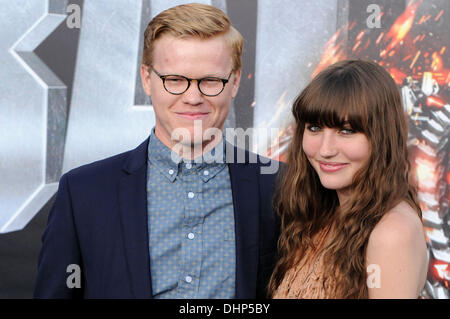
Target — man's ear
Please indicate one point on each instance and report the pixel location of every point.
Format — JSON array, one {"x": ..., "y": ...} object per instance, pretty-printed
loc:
[
  {"x": 145, "y": 79},
  {"x": 235, "y": 83}
]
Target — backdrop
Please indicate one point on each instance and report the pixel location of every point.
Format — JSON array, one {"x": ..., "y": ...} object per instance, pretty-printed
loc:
[{"x": 70, "y": 94}]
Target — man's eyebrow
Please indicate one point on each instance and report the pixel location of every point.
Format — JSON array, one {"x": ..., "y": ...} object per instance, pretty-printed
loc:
[
  {"x": 201, "y": 77},
  {"x": 214, "y": 76}
]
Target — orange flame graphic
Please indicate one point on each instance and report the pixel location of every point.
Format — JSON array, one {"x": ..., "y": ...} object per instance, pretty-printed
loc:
[{"x": 402, "y": 25}]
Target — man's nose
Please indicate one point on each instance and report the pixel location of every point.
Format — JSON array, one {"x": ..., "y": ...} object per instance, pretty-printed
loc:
[
  {"x": 193, "y": 95},
  {"x": 328, "y": 146}
]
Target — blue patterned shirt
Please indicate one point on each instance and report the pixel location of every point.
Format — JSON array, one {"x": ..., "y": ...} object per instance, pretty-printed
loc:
[{"x": 191, "y": 225}]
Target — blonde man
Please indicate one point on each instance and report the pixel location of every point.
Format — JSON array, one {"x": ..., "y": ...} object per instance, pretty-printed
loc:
[{"x": 161, "y": 221}]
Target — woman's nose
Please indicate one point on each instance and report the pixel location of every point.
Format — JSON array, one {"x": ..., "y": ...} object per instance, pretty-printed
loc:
[{"x": 328, "y": 147}]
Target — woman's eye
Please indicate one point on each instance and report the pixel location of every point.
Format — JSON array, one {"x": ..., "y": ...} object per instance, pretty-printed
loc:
[
  {"x": 347, "y": 131},
  {"x": 313, "y": 128}
]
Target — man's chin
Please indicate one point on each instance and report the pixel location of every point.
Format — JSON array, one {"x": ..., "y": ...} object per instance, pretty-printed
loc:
[
  {"x": 195, "y": 135},
  {"x": 192, "y": 143}
]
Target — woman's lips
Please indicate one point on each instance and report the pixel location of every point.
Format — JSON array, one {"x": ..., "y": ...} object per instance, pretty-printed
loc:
[
  {"x": 194, "y": 116},
  {"x": 331, "y": 167}
]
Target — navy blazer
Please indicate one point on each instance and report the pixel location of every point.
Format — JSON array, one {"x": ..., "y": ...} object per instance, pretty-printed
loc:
[{"x": 98, "y": 221}]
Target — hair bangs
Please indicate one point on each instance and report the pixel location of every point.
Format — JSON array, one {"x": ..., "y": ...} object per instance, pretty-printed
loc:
[{"x": 335, "y": 101}]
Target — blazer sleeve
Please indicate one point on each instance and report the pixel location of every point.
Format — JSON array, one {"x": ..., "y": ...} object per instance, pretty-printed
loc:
[{"x": 60, "y": 249}]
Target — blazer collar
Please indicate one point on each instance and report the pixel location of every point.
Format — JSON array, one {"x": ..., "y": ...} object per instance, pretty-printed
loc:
[{"x": 137, "y": 158}]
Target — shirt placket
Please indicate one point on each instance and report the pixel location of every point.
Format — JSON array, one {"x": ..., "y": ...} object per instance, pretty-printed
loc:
[{"x": 192, "y": 232}]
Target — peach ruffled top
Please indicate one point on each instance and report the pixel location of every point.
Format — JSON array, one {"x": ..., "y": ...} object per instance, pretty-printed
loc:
[{"x": 304, "y": 281}]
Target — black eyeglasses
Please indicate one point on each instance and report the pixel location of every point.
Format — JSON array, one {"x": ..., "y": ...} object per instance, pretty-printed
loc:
[{"x": 178, "y": 84}]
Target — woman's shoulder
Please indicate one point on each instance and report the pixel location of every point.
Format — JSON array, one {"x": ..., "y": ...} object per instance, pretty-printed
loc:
[
  {"x": 399, "y": 224},
  {"x": 398, "y": 248},
  {"x": 399, "y": 234}
]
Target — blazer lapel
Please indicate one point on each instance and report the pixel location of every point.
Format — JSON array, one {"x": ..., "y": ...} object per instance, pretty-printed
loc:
[
  {"x": 244, "y": 185},
  {"x": 133, "y": 216}
]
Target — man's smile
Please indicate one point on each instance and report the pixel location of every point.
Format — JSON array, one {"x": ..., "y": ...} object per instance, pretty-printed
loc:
[{"x": 193, "y": 115}]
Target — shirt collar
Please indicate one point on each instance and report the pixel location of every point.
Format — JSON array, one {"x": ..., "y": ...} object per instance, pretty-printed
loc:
[{"x": 170, "y": 164}]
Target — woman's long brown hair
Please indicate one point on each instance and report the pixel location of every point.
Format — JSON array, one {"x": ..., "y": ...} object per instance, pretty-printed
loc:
[{"x": 364, "y": 95}]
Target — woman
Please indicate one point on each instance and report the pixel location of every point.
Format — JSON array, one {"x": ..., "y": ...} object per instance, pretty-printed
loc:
[{"x": 351, "y": 222}]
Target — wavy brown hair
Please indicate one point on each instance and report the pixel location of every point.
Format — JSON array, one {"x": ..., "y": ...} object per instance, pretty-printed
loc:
[{"x": 364, "y": 95}]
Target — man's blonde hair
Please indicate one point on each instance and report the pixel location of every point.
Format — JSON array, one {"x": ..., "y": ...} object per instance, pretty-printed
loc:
[{"x": 193, "y": 20}]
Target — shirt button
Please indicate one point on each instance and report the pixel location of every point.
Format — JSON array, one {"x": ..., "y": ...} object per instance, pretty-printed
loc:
[
  {"x": 191, "y": 236},
  {"x": 188, "y": 279},
  {"x": 188, "y": 165},
  {"x": 171, "y": 171},
  {"x": 206, "y": 173},
  {"x": 191, "y": 195}
]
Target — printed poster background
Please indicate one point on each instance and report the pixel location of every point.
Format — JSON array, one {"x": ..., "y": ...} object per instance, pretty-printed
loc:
[{"x": 71, "y": 94}]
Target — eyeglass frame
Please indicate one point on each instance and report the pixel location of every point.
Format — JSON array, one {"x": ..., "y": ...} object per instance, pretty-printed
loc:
[{"x": 163, "y": 79}]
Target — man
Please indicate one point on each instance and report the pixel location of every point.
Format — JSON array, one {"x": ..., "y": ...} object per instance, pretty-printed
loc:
[{"x": 162, "y": 221}]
